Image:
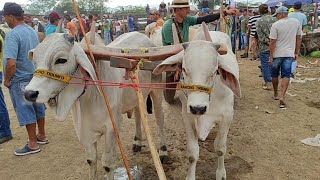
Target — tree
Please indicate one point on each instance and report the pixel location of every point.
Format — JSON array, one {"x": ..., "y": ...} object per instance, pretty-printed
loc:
[{"x": 85, "y": 6}]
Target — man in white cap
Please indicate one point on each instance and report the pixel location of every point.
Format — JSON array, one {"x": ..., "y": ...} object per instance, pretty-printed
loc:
[
  {"x": 183, "y": 21},
  {"x": 38, "y": 27},
  {"x": 285, "y": 41}
]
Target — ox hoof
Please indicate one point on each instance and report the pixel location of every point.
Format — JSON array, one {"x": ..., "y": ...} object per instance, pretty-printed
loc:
[
  {"x": 136, "y": 148},
  {"x": 165, "y": 159}
]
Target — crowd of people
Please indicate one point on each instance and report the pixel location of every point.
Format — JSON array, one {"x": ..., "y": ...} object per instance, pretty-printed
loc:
[{"x": 273, "y": 37}]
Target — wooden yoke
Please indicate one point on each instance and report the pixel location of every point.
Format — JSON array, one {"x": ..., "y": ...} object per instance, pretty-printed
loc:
[{"x": 151, "y": 54}]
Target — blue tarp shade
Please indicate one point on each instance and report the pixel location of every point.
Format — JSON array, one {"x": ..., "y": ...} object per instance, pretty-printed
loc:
[{"x": 273, "y": 3}]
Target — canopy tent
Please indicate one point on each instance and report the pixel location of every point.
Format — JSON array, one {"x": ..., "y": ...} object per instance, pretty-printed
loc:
[{"x": 273, "y": 3}]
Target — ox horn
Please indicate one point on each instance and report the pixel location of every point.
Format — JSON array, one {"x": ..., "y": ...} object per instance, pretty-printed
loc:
[
  {"x": 69, "y": 38},
  {"x": 93, "y": 32},
  {"x": 206, "y": 32},
  {"x": 59, "y": 27},
  {"x": 222, "y": 50}
]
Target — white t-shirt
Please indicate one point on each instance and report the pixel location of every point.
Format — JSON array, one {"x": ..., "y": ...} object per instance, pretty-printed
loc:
[{"x": 284, "y": 31}]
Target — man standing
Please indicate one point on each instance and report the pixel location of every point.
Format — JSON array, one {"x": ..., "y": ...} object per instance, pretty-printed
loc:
[
  {"x": 38, "y": 27},
  {"x": 285, "y": 41},
  {"x": 131, "y": 23},
  {"x": 263, "y": 31},
  {"x": 253, "y": 29},
  {"x": 297, "y": 14},
  {"x": 54, "y": 19},
  {"x": 183, "y": 21},
  {"x": 18, "y": 70},
  {"x": 5, "y": 131},
  {"x": 302, "y": 18},
  {"x": 107, "y": 29},
  {"x": 244, "y": 19}
]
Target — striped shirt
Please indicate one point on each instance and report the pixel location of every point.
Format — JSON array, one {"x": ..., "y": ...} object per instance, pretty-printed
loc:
[{"x": 252, "y": 24}]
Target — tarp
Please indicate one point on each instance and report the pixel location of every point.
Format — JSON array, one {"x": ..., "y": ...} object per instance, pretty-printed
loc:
[{"x": 273, "y": 3}]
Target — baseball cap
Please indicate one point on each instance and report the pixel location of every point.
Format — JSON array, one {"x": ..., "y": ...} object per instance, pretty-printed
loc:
[
  {"x": 54, "y": 15},
  {"x": 282, "y": 9},
  {"x": 155, "y": 12},
  {"x": 11, "y": 8},
  {"x": 297, "y": 5}
]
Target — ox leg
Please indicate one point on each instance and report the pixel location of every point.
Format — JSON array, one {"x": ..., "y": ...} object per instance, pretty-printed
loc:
[
  {"x": 91, "y": 152},
  {"x": 192, "y": 144},
  {"x": 220, "y": 145},
  {"x": 108, "y": 157},
  {"x": 158, "y": 111},
  {"x": 137, "y": 144}
]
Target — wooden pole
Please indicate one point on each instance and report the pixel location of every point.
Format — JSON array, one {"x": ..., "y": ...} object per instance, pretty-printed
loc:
[
  {"x": 105, "y": 97},
  {"x": 143, "y": 114}
]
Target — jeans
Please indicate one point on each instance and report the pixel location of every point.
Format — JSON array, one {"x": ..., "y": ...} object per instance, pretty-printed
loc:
[
  {"x": 266, "y": 68},
  {"x": 111, "y": 35},
  {"x": 27, "y": 112},
  {"x": 282, "y": 64},
  {"x": 233, "y": 42},
  {"x": 107, "y": 37},
  {"x": 4, "y": 115},
  {"x": 244, "y": 40}
]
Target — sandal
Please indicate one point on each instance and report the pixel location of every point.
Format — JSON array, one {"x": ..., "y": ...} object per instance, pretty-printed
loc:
[
  {"x": 275, "y": 98},
  {"x": 42, "y": 142},
  {"x": 282, "y": 105},
  {"x": 26, "y": 150}
]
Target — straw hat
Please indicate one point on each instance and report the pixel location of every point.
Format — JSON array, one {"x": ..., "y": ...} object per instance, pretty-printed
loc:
[{"x": 180, "y": 4}]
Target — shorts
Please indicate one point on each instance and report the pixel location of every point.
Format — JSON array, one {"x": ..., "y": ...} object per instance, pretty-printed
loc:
[
  {"x": 283, "y": 65},
  {"x": 27, "y": 112}
]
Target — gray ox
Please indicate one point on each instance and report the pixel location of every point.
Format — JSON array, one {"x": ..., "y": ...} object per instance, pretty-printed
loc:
[
  {"x": 203, "y": 65},
  {"x": 59, "y": 53}
]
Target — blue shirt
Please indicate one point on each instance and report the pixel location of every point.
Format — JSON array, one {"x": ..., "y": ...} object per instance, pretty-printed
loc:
[
  {"x": 50, "y": 29},
  {"x": 302, "y": 18},
  {"x": 131, "y": 24},
  {"x": 17, "y": 45}
]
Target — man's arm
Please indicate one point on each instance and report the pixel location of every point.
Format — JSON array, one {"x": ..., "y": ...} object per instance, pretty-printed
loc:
[
  {"x": 10, "y": 71},
  {"x": 213, "y": 17},
  {"x": 272, "y": 47},
  {"x": 298, "y": 45}
]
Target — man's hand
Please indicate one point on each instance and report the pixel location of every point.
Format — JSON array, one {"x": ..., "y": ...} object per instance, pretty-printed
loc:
[
  {"x": 7, "y": 83},
  {"x": 231, "y": 11},
  {"x": 296, "y": 56},
  {"x": 270, "y": 60}
]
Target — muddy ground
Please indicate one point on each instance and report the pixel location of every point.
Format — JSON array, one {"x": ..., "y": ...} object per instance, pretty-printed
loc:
[{"x": 263, "y": 142}]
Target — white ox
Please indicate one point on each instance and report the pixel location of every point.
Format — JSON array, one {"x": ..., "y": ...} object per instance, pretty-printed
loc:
[
  {"x": 59, "y": 53},
  {"x": 203, "y": 65}
]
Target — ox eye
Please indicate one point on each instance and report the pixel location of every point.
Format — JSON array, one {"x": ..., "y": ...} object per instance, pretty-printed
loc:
[{"x": 60, "y": 61}]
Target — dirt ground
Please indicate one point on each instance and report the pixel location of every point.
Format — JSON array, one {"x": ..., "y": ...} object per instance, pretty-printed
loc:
[{"x": 263, "y": 142}]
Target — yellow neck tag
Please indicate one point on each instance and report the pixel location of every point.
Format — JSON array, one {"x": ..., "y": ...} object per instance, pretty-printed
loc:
[
  {"x": 195, "y": 88},
  {"x": 52, "y": 75}
]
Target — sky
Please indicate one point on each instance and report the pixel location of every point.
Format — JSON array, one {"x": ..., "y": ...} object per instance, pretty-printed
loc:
[{"x": 115, "y": 3}]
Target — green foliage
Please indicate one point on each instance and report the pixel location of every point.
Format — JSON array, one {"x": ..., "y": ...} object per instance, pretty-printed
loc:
[
  {"x": 85, "y": 6},
  {"x": 315, "y": 54}
]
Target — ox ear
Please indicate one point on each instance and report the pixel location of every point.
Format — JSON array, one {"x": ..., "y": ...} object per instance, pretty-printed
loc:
[
  {"x": 170, "y": 64},
  {"x": 229, "y": 74},
  {"x": 83, "y": 60},
  {"x": 30, "y": 55}
]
